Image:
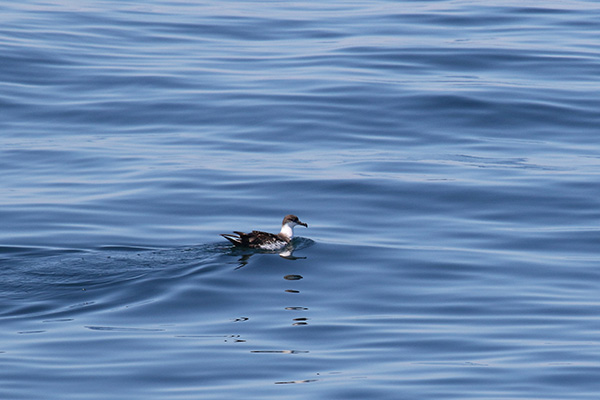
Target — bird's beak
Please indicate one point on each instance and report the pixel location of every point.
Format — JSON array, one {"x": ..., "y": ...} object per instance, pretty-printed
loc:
[{"x": 302, "y": 223}]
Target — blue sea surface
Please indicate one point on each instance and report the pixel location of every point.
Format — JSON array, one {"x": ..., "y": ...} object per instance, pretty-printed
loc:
[{"x": 445, "y": 155}]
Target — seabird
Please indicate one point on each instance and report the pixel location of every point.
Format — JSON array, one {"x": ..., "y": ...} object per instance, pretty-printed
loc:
[{"x": 265, "y": 240}]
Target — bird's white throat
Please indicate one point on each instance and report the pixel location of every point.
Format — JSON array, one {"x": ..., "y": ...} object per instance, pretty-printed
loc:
[{"x": 287, "y": 230}]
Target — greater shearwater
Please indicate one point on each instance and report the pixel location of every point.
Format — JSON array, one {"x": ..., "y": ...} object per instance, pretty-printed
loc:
[{"x": 265, "y": 240}]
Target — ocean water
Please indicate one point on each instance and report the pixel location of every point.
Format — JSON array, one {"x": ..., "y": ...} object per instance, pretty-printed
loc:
[{"x": 445, "y": 154}]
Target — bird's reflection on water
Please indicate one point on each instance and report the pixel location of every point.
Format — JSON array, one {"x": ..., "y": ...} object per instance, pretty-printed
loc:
[{"x": 286, "y": 252}]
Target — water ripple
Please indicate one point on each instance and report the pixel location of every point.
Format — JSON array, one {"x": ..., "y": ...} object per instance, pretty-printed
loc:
[{"x": 444, "y": 154}]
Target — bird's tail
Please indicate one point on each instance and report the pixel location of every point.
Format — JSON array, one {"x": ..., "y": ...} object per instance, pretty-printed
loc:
[{"x": 236, "y": 240}]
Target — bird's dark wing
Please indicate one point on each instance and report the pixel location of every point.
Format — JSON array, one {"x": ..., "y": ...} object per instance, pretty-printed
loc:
[
  {"x": 258, "y": 238},
  {"x": 254, "y": 239}
]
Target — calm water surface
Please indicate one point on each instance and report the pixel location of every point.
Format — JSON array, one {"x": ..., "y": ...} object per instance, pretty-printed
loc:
[{"x": 445, "y": 155}]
